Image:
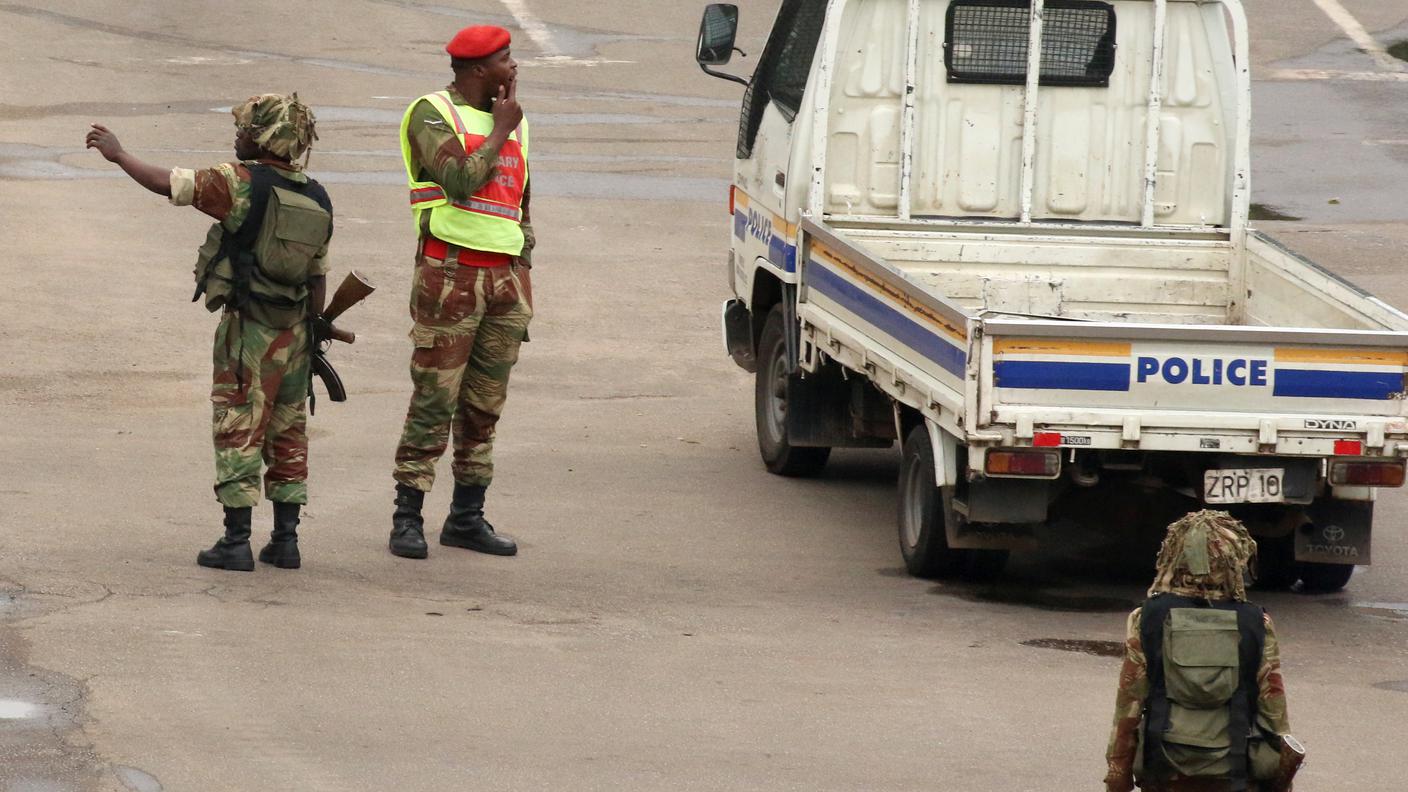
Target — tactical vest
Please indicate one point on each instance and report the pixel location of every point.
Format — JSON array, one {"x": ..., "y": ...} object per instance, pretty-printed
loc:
[
  {"x": 262, "y": 269},
  {"x": 491, "y": 219},
  {"x": 1202, "y": 660}
]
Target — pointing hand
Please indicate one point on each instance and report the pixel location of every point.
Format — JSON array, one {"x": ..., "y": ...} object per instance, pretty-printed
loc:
[{"x": 107, "y": 144}]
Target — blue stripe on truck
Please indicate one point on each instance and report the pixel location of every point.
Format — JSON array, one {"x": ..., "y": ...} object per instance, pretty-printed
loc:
[
  {"x": 1312, "y": 384},
  {"x": 888, "y": 320},
  {"x": 1060, "y": 375}
]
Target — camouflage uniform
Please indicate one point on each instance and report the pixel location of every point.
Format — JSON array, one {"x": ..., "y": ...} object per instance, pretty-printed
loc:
[
  {"x": 1229, "y": 544},
  {"x": 468, "y": 324},
  {"x": 261, "y": 372}
]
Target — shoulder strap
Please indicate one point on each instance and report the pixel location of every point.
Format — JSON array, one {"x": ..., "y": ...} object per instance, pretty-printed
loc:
[
  {"x": 1251, "y": 628},
  {"x": 1156, "y": 708}
]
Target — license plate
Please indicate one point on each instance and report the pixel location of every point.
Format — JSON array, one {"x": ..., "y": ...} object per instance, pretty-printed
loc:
[{"x": 1244, "y": 485}]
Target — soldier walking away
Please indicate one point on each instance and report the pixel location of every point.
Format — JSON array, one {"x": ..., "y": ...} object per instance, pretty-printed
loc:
[
  {"x": 1201, "y": 706},
  {"x": 263, "y": 264},
  {"x": 466, "y": 155}
]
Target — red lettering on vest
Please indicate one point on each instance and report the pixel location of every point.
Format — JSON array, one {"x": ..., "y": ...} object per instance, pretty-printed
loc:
[{"x": 510, "y": 173}]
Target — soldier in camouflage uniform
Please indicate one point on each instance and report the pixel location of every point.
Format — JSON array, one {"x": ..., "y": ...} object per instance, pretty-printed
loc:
[
  {"x": 1203, "y": 563},
  {"x": 471, "y": 295},
  {"x": 262, "y": 349}
]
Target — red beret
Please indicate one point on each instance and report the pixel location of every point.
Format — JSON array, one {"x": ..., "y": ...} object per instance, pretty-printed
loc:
[{"x": 477, "y": 41}]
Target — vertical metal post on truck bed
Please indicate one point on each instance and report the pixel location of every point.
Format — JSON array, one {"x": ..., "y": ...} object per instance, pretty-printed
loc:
[
  {"x": 1029, "y": 106},
  {"x": 911, "y": 66},
  {"x": 1152, "y": 118},
  {"x": 821, "y": 93}
]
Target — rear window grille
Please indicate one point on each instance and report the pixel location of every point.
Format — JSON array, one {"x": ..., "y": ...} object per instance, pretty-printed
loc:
[{"x": 986, "y": 42}]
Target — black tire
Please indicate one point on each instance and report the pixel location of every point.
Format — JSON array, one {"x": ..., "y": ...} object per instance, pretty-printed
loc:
[
  {"x": 1318, "y": 578},
  {"x": 1276, "y": 568},
  {"x": 771, "y": 391},
  {"x": 923, "y": 509}
]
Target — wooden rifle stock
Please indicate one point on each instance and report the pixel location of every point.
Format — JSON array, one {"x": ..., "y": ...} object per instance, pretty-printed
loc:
[
  {"x": 1292, "y": 756},
  {"x": 353, "y": 289}
]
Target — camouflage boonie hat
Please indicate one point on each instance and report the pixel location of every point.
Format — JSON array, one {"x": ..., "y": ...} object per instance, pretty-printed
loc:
[{"x": 279, "y": 124}]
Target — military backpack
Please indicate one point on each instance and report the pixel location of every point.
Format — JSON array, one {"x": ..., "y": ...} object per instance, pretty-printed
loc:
[
  {"x": 262, "y": 269},
  {"x": 1200, "y": 716}
]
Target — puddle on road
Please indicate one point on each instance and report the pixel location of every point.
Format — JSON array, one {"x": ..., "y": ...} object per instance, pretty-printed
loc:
[
  {"x": 1261, "y": 211},
  {"x": 1040, "y": 599},
  {"x": 82, "y": 23},
  {"x": 389, "y": 117},
  {"x": 1395, "y": 685},
  {"x": 1399, "y": 49},
  {"x": 1392, "y": 610},
  {"x": 20, "y": 162},
  {"x": 137, "y": 780},
  {"x": 1097, "y": 648},
  {"x": 567, "y": 41},
  {"x": 1396, "y": 611}
]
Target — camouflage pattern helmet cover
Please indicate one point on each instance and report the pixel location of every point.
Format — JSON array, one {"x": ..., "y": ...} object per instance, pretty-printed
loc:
[
  {"x": 278, "y": 123},
  {"x": 1205, "y": 555}
]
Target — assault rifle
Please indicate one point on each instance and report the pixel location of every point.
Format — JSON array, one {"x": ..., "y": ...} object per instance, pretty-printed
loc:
[
  {"x": 353, "y": 290},
  {"x": 1292, "y": 756}
]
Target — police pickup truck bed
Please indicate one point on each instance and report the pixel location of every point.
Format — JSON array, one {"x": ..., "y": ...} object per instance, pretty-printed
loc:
[{"x": 953, "y": 228}]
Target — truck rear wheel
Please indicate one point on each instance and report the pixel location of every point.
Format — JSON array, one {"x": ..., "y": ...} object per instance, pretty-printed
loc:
[
  {"x": 924, "y": 513},
  {"x": 770, "y": 402},
  {"x": 1316, "y": 578},
  {"x": 1276, "y": 567}
]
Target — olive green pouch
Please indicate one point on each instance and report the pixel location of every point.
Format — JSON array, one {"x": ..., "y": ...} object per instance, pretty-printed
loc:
[
  {"x": 1201, "y": 667},
  {"x": 295, "y": 229}
]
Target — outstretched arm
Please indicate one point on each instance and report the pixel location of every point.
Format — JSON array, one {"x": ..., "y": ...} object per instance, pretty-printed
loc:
[{"x": 154, "y": 178}]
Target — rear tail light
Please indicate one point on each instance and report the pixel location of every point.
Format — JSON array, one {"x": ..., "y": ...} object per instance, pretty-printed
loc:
[
  {"x": 1023, "y": 463},
  {"x": 1386, "y": 473},
  {"x": 731, "y": 189}
]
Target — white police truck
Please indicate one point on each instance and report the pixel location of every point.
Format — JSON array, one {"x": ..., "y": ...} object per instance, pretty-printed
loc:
[{"x": 1013, "y": 236}]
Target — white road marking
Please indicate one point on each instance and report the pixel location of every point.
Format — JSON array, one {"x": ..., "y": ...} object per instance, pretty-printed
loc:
[
  {"x": 11, "y": 709},
  {"x": 533, "y": 26},
  {"x": 1356, "y": 32},
  {"x": 1331, "y": 74}
]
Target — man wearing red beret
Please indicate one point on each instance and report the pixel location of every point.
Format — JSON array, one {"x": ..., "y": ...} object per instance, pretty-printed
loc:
[{"x": 466, "y": 156}]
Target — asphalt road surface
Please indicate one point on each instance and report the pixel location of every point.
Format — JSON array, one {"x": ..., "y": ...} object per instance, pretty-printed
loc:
[{"x": 677, "y": 618}]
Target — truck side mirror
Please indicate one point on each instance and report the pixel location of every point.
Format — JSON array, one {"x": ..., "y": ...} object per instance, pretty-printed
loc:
[{"x": 717, "y": 32}]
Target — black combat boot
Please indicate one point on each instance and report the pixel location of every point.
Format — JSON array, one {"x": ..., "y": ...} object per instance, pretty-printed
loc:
[
  {"x": 466, "y": 526},
  {"x": 282, "y": 550},
  {"x": 232, "y": 550},
  {"x": 407, "y": 526}
]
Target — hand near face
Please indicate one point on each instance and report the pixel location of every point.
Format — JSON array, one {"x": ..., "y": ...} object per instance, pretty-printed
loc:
[{"x": 508, "y": 114}]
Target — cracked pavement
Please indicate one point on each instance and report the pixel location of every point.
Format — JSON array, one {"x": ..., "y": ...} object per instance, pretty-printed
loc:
[{"x": 676, "y": 619}]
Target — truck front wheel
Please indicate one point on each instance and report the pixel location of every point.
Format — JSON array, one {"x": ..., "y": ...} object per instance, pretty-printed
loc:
[{"x": 770, "y": 403}]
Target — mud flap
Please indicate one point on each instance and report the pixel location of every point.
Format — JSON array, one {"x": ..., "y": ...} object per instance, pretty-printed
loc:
[
  {"x": 827, "y": 409},
  {"x": 1338, "y": 532},
  {"x": 738, "y": 335},
  {"x": 998, "y": 514}
]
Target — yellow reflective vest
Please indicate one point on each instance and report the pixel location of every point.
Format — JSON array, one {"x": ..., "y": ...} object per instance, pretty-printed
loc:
[{"x": 491, "y": 219}]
